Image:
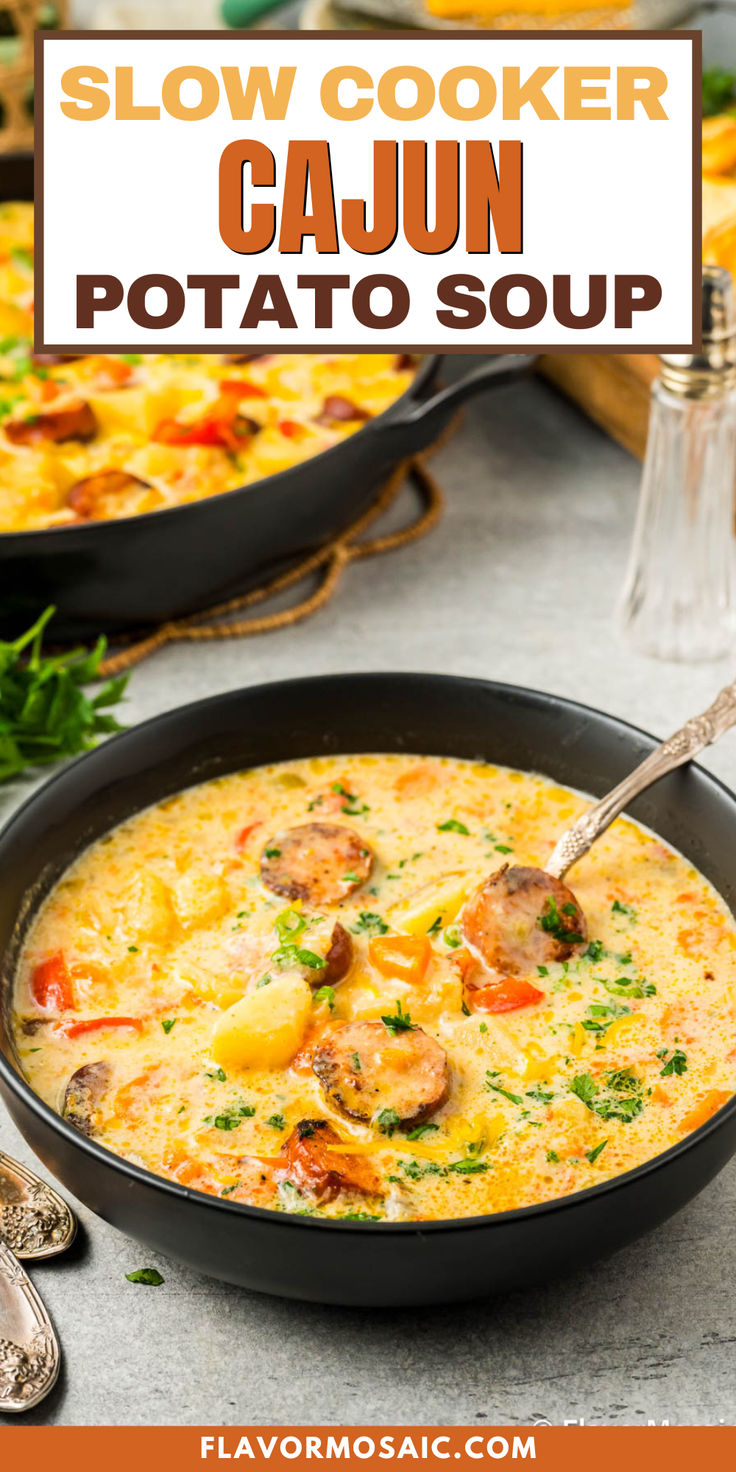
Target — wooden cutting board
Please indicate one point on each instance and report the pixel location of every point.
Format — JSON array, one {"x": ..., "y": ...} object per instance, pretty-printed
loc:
[{"x": 612, "y": 389}]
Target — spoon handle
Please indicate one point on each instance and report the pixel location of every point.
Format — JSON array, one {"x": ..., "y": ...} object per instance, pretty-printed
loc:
[
  {"x": 29, "y": 1351},
  {"x": 34, "y": 1220},
  {"x": 697, "y": 733}
]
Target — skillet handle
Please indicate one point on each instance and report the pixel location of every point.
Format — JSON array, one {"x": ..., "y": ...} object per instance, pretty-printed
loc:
[{"x": 420, "y": 425}]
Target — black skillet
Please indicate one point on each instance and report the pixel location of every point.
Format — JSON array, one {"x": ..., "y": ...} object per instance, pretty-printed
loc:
[
  {"x": 144, "y": 569},
  {"x": 363, "y": 1263}
]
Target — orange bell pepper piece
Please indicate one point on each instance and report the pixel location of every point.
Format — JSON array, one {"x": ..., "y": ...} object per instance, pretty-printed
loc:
[
  {"x": 404, "y": 956},
  {"x": 702, "y": 1112},
  {"x": 505, "y": 995}
]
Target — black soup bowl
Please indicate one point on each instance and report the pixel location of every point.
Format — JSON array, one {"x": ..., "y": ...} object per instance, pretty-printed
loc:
[{"x": 349, "y": 1262}]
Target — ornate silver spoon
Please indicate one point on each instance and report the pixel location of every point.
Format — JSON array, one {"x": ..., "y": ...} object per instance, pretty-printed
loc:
[
  {"x": 520, "y": 918},
  {"x": 34, "y": 1221},
  {"x": 29, "y": 1352}
]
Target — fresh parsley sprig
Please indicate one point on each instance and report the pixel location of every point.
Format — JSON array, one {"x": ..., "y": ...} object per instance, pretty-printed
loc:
[{"x": 44, "y": 713}]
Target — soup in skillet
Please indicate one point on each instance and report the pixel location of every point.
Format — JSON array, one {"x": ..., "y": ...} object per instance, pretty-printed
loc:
[
  {"x": 271, "y": 988},
  {"x": 98, "y": 437}
]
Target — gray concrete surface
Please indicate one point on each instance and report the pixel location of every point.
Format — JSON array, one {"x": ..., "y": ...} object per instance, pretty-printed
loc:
[{"x": 518, "y": 583}]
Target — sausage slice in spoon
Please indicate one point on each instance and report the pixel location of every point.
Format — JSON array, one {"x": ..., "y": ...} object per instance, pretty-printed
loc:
[{"x": 521, "y": 918}]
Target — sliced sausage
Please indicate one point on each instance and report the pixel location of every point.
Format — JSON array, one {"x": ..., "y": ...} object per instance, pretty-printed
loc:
[
  {"x": 319, "y": 863},
  {"x": 78, "y": 422},
  {"x": 364, "y": 1069},
  {"x": 337, "y": 409},
  {"x": 87, "y": 497},
  {"x": 520, "y": 918},
  {"x": 339, "y": 957},
  {"x": 50, "y": 360},
  {"x": 244, "y": 357},
  {"x": 84, "y": 1094},
  {"x": 312, "y": 1160}
]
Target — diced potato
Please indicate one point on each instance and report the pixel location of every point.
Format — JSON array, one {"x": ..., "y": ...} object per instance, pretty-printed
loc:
[
  {"x": 265, "y": 1028},
  {"x": 200, "y": 898},
  {"x": 443, "y": 897},
  {"x": 149, "y": 909}
]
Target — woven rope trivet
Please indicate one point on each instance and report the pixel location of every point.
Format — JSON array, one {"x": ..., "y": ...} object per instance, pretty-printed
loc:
[{"x": 330, "y": 561}]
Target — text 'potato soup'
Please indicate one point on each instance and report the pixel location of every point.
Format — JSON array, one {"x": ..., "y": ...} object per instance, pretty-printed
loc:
[{"x": 284, "y": 987}]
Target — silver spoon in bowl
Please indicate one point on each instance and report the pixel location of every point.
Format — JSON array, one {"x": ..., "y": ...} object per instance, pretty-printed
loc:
[{"x": 520, "y": 918}]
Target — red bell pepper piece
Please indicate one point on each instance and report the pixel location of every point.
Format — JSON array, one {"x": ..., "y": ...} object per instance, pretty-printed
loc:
[
  {"x": 240, "y": 388},
  {"x": 505, "y": 995},
  {"x": 51, "y": 985},
  {"x": 245, "y": 833},
  {"x": 95, "y": 1024}
]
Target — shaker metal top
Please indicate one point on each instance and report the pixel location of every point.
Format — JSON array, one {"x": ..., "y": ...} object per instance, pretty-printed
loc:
[{"x": 712, "y": 371}]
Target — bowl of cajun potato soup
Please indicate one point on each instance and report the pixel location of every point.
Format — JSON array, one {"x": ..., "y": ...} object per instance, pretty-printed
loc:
[{"x": 271, "y": 995}]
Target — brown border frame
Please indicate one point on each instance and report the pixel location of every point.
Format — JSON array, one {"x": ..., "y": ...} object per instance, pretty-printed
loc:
[{"x": 695, "y": 38}]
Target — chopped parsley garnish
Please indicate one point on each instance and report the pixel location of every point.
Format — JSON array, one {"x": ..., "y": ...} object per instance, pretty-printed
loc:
[
  {"x": 452, "y": 825},
  {"x": 503, "y": 848},
  {"x": 594, "y": 951},
  {"x": 356, "y": 1063},
  {"x": 551, "y": 922},
  {"x": 369, "y": 923},
  {"x": 617, "y": 908},
  {"x": 358, "y": 1216},
  {"x": 218, "y": 1074},
  {"x": 133, "y": 949},
  {"x": 467, "y": 1167},
  {"x": 277, "y": 1122},
  {"x": 602, "y": 1014},
  {"x": 592, "y": 1155},
  {"x": 326, "y": 994},
  {"x": 22, "y": 256},
  {"x": 398, "y": 1021},
  {"x": 272, "y": 853},
  {"x": 622, "y": 1098},
  {"x": 168, "y": 1024},
  {"x": 552, "y": 1157},
  {"x": 435, "y": 926},
  {"x": 352, "y": 803},
  {"x": 228, "y": 1190},
  {"x": 483, "y": 1027},
  {"x": 677, "y": 1064},
  {"x": 422, "y": 1130},
  {"x": 493, "y": 1074},
  {"x": 387, "y": 1121},
  {"x": 263, "y": 981},
  {"x": 540, "y": 1095},
  {"x": 543, "y": 970},
  {"x": 630, "y": 986},
  {"x": 230, "y": 1118},
  {"x": 150, "y": 1276}
]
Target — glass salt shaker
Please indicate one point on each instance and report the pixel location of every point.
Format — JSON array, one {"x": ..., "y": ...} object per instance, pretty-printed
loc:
[{"x": 679, "y": 597}]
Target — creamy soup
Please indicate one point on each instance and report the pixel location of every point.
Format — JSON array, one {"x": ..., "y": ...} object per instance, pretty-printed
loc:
[
  {"x": 276, "y": 987},
  {"x": 96, "y": 437}
]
